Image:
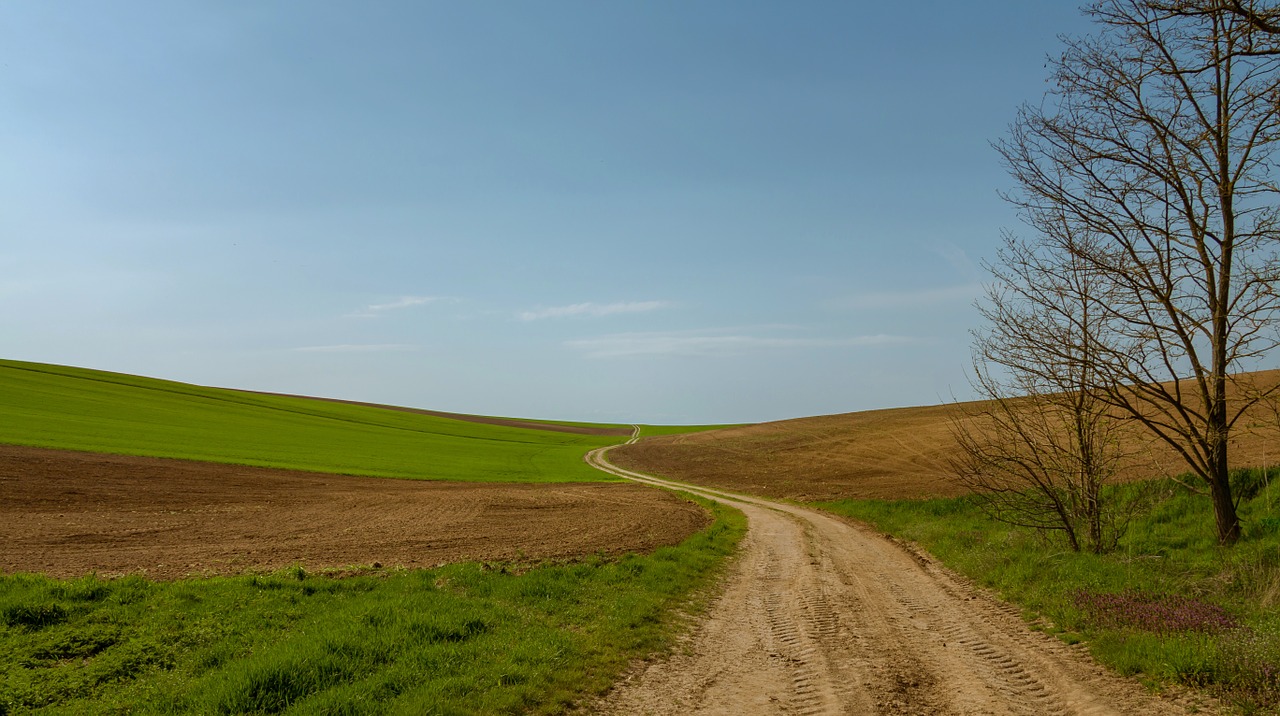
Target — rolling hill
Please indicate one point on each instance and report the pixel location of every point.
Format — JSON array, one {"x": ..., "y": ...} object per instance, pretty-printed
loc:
[
  {"x": 53, "y": 406},
  {"x": 892, "y": 453}
]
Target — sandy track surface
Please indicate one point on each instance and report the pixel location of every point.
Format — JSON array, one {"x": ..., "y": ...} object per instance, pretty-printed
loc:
[
  {"x": 820, "y": 616},
  {"x": 68, "y": 513}
]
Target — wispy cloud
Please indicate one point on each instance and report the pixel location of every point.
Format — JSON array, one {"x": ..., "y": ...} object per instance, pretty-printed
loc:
[
  {"x": 714, "y": 342},
  {"x": 357, "y": 348},
  {"x": 920, "y": 298},
  {"x": 592, "y": 310},
  {"x": 404, "y": 302},
  {"x": 377, "y": 309}
]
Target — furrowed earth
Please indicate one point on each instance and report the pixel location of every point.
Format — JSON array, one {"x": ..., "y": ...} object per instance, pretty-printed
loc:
[
  {"x": 65, "y": 514},
  {"x": 896, "y": 453}
]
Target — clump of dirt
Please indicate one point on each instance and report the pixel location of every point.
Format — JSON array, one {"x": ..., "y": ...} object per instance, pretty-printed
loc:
[{"x": 68, "y": 513}]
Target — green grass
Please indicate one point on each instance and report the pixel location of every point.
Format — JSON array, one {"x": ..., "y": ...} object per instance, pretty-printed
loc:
[
  {"x": 1169, "y": 555},
  {"x": 81, "y": 409},
  {"x": 460, "y": 639}
]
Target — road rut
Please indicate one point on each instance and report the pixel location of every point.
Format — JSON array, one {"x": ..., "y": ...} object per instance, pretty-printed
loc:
[{"x": 822, "y": 616}]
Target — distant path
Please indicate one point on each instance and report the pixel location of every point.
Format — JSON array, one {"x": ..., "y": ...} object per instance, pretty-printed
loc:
[{"x": 820, "y": 616}]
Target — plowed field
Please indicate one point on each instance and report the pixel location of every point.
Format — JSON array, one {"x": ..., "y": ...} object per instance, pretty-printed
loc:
[
  {"x": 897, "y": 453},
  {"x": 71, "y": 513}
]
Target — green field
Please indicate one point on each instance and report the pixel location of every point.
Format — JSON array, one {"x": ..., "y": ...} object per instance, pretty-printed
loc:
[
  {"x": 79, "y": 409},
  {"x": 1170, "y": 605}
]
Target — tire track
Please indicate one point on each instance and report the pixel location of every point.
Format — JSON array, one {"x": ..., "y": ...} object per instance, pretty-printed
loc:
[{"x": 821, "y": 616}]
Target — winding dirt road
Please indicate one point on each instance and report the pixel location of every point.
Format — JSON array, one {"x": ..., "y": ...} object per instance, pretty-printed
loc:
[{"x": 819, "y": 616}]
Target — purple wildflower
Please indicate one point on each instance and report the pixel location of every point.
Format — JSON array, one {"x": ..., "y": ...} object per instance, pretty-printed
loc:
[{"x": 1159, "y": 613}]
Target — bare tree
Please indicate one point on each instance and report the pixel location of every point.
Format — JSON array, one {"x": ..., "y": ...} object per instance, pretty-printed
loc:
[
  {"x": 1156, "y": 145},
  {"x": 1262, "y": 15},
  {"x": 1042, "y": 443}
]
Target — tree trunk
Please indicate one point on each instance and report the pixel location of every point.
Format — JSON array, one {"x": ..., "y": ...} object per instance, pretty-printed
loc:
[
  {"x": 1071, "y": 535},
  {"x": 1094, "y": 512},
  {"x": 1224, "y": 508}
]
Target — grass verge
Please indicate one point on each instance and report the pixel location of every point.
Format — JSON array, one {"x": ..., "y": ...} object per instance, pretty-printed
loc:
[
  {"x": 1169, "y": 605},
  {"x": 460, "y": 639}
]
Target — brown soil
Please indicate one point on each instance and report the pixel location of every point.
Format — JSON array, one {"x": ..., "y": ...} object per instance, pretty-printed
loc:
[
  {"x": 888, "y": 454},
  {"x": 879, "y": 453},
  {"x": 487, "y": 420},
  {"x": 71, "y": 513},
  {"x": 822, "y": 616}
]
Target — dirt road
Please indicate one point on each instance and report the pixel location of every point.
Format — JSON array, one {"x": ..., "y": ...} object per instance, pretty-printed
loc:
[{"x": 823, "y": 617}]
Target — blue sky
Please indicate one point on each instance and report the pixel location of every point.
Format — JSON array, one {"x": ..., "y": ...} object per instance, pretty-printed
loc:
[{"x": 663, "y": 212}]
